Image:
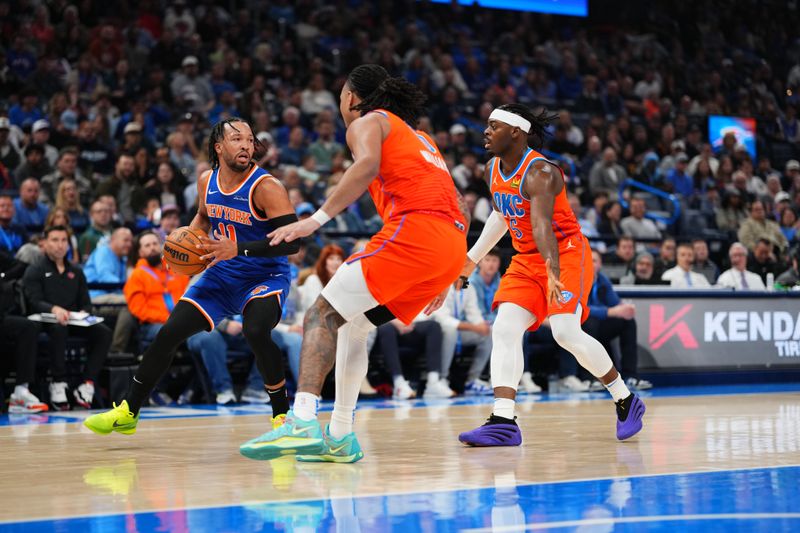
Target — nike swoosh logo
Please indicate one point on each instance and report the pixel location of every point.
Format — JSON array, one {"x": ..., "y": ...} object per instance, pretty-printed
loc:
[
  {"x": 48, "y": 274},
  {"x": 213, "y": 192},
  {"x": 300, "y": 431},
  {"x": 118, "y": 425},
  {"x": 337, "y": 450}
]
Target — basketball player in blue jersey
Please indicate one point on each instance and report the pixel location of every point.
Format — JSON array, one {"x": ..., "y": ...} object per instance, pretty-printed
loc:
[{"x": 239, "y": 203}]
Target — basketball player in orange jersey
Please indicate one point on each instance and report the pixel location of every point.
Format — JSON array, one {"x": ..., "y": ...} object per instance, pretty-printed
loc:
[
  {"x": 549, "y": 277},
  {"x": 242, "y": 203},
  {"x": 405, "y": 266}
]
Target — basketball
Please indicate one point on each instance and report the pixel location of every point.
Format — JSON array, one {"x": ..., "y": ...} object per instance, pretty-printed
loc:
[{"x": 181, "y": 251}]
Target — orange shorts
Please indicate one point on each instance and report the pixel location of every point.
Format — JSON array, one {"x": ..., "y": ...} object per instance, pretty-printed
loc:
[
  {"x": 525, "y": 281},
  {"x": 411, "y": 260}
]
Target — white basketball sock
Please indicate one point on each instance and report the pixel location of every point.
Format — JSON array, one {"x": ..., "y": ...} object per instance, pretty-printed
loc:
[
  {"x": 305, "y": 406},
  {"x": 504, "y": 407},
  {"x": 352, "y": 361},
  {"x": 618, "y": 389}
]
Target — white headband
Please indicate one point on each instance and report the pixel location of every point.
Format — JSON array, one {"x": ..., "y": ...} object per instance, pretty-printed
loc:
[{"x": 511, "y": 119}]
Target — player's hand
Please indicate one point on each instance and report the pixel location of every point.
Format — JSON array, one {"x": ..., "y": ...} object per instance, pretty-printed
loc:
[
  {"x": 62, "y": 315},
  {"x": 626, "y": 311},
  {"x": 483, "y": 329},
  {"x": 234, "y": 328},
  {"x": 554, "y": 287},
  {"x": 296, "y": 230},
  {"x": 466, "y": 272},
  {"x": 437, "y": 302},
  {"x": 220, "y": 248}
]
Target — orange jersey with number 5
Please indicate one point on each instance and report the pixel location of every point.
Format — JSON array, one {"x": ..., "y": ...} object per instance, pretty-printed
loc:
[
  {"x": 413, "y": 175},
  {"x": 515, "y": 208}
]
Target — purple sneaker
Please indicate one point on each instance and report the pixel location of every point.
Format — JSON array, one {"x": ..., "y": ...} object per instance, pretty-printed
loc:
[
  {"x": 497, "y": 431},
  {"x": 629, "y": 416}
]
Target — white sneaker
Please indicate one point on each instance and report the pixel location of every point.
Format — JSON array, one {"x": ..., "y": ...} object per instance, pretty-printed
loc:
[
  {"x": 22, "y": 401},
  {"x": 478, "y": 387},
  {"x": 643, "y": 384},
  {"x": 403, "y": 391},
  {"x": 527, "y": 386},
  {"x": 58, "y": 396},
  {"x": 367, "y": 390},
  {"x": 226, "y": 397},
  {"x": 573, "y": 384},
  {"x": 255, "y": 396},
  {"x": 438, "y": 389},
  {"x": 84, "y": 395}
]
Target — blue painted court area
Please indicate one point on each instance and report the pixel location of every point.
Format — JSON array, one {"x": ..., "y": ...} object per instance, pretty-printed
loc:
[
  {"x": 214, "y": 410},
  {"x": 754, "y": 500}
]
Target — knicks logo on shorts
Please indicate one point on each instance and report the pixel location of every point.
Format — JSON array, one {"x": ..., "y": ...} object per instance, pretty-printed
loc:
[
  {"x": 567, "y": 296},
  {"x": 259, "y": 290}
]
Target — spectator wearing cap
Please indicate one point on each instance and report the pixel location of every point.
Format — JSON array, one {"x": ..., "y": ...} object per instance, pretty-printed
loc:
[
  {"x": 40, "y": 134},
  {"x": 191, "y": 90},
  {"x": 66, "y": 168},
  {"x": 29, "y": 212},
  {"x": 9, "y": 154},
  {"x": 738, "y": 277},
  {"x": 96, "y": 158},
  {"x": 325, "y": 147},
  {"x": 26, "y": 112},
  {"x": 791, "y": 177},
  {"x": 758, "y": 226},
  {"x": 606, "y": 175},
  {"x": 667, "y": 163},
  {"x": 677, "y": 180},
  {"x": 681, "y": 275},
  {"x": 636, "y": 225},
  {"x": 35, "y": 164}
]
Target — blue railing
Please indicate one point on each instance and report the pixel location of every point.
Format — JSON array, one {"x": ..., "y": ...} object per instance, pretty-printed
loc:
[{"x": 676, "y": 203}]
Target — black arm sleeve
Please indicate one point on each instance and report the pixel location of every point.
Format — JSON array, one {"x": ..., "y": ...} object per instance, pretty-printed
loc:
[{"x": 264, "y": 249}]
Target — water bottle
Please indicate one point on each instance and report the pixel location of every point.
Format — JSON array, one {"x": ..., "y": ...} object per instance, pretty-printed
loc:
[{"x": 770, "y": 281}]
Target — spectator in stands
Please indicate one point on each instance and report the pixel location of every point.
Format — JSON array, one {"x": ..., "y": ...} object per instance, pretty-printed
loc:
[
  {"x": 99, "y": 228},
  {"x": 587, "y": 228},
  {"x": 214, "y": 347},
  {"x": 325, "y": 147},
  {"x": 636, "y": 225},
  {"x": 462, "y": 325},
  {"x": 12, "y": 235},
  {"x": 96, "y": 158},
  {"x": 702, "y": 264},
  {"x": 189, "y": 89},
  {"x": 55, "y": 286},
  {"x": 68, "y": 200},
  {"x": 123, "y": 187},
  {"x": 181, "y": 157},
  {"x": 738, "y": 277},
  {"x": 788, "y": 224},
  {"x": 152, "y": 290},
  {"x": 293, "y": 152},
  {"x": 758, "y": 227},
  {"x": 166, "y": 186},
  {"x": 611, "y": 318},
  {"x": 607, "y": 175},
  {"x": 22, "y": 333},
  {"x": 643, "y": 272},
  {"x": 732, "y": 213},
  {"x": 66, "y": 168},
  {"x": 790, "y": 279},
  {"x": 610, "y": 219},
  {"x": 35, "y": 164},
  {"x": 29, "y": 212},
  {"x": 40, "y": 135},
  {"x": 791, "y": 177},
  {"x": 9, "y": 152},
  {"x": 763, "y": 261},
  {"x": 681, "y": 276},
  {"x": 621, "y": 258},
  {"x": 169, "y": 222},
  {"x": 108, "y": 264},
  {"x": 678, "y": 181},
  {"x": 666, "y": 256}
]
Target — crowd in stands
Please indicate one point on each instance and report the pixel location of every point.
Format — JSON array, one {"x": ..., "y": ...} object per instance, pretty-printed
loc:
[{"x": 105, "y": 110}]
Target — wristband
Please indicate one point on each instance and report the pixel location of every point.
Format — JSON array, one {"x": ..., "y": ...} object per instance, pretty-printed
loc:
[
  {"x": 464, "y": 281},
  {"x": 320, "y": 217}
]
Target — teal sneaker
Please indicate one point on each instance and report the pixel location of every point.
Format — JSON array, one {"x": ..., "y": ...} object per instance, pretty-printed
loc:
[
  {"x": 292, "y": 437},
  {"x": 344, "y": 450}
]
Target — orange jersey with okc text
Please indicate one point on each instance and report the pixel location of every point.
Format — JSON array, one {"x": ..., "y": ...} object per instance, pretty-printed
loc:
[
  {"x": 516, "y": 208},
  {"x": 413, "y": 175}
]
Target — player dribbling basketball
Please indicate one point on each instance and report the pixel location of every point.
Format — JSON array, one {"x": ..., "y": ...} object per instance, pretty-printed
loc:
[{"x": 241, "y": 203}]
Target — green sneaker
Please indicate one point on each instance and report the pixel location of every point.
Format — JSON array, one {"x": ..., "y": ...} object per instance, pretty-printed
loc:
[
  {"x": 119, "y": 419},
  {"x": 344, "y": 450},
  {"x": 292, "y": 437}
]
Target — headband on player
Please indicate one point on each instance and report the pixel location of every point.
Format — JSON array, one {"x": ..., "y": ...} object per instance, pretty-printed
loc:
[{"x": 511, "y": 119}]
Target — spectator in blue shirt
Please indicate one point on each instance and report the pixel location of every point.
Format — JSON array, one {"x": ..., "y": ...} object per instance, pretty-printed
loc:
[
  {"x": 26, "y": 113},
  {"x": 12, "y": 236},
  {"x": 610, "y": 318},
  {"x": 486, "y": 280},
  {"x": 28, "y": 210},
  {"x": 678, "y": 181},
  {"x": 108, "y": 264}
]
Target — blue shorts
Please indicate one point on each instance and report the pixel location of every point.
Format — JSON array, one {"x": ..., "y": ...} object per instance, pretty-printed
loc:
[{"x": 218, "y": 297}]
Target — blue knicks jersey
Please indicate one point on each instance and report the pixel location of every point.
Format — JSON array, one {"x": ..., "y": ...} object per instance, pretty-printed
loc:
[{"x": 234, "y": 214}]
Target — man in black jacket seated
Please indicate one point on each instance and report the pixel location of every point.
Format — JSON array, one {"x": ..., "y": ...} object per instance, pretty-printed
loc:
[{"x": 55, "y": 286}]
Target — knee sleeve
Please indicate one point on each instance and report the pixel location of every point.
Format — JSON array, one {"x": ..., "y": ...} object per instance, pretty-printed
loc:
[
  {"x": 587, "y": 350},
  {"x": 352, "y": 360},
  {"x": 507, "y": 360}
]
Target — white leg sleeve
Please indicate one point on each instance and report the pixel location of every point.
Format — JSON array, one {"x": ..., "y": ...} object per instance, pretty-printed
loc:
[
  {"x": 351, "y": 368},
  {"x": 587, "y": 350},
  {"x": 507, "y": 360}
]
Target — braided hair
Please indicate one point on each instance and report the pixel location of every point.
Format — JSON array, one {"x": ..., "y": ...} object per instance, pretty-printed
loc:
[
  {"x": 539, "y": 121},
  {"x": 218, "y": 134},
  {"x": 378, "y": 90}
]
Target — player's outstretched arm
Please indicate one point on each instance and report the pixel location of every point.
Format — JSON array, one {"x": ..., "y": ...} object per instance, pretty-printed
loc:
[
  {"x": 200, "y": 220},
  {"x": 543, "y": 183}
]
